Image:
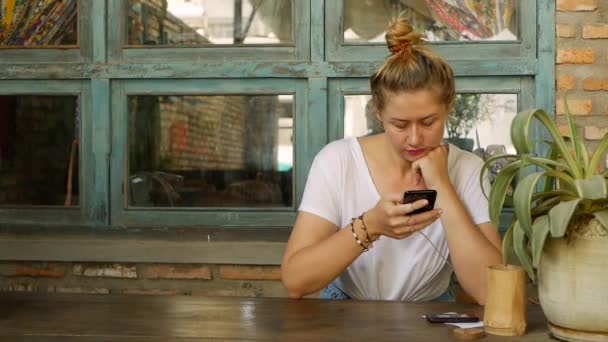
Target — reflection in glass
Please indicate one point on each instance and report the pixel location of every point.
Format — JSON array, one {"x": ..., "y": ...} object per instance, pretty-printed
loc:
[
  {"x": 38, "y": 23},
  {"x": 39, "y": 162},
  {"x": 211, "y": 151},
  {"x": 205, "y": 22},
  {"x": 438, "y": 20},
  {"x": 478, "y": 123}
]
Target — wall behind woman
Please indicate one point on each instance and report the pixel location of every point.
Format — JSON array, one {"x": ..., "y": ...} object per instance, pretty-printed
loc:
[
  {"x": 582, "y": 66},
  {"x": 582, "y": 76}
]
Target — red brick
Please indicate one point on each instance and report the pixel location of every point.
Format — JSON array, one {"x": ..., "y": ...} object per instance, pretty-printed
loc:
[
  {"x": 565, "y": 82},
  {"x": 576, "y": 5},
  {"x": 29, "y": 271},
  {"x": 154, "y": 292},
  {"x": 595, "y": 31},
  {"x": 595, "y": 133},
  {"x": 96, "y": 290},
  {"x": 110, "y": 271},
  {"x": 250, "y": 272},
  {"x": 565, "y": 31},
  {"x": 161, "y": 271},
  {"x": 591, "y": 83},
  {"x": 576, "y": 106},
  {"x": 564, "y": 131},
  {"x": 32, "y": 270},
  {"x": 575, "y": 56}
]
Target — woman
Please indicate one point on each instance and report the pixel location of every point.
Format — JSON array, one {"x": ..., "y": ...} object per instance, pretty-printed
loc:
[{"x": 355, "y": 187}]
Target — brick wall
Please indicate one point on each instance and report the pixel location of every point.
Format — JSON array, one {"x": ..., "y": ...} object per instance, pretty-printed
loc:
[
  {"x": 141, "y": 279},
  {"x": 582, "y": 66}
]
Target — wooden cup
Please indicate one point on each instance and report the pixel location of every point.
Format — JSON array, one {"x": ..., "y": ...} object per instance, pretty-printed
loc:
[{"x": 505, "y": 310}]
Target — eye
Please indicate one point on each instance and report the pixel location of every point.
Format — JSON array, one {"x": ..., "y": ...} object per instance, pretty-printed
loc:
[{"x": 428, "y": 123}]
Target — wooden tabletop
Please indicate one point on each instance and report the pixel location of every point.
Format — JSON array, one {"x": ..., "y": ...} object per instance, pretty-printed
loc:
[{"x": 77, "y": 317}]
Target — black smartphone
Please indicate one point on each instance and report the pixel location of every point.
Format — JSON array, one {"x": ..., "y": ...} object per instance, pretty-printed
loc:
[
  {"x": 451, "y": 318},
  {"x": 415, "y": 195}
]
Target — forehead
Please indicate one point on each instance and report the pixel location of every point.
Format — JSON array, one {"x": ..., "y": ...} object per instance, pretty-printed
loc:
[{"x": 414, "y": 104}]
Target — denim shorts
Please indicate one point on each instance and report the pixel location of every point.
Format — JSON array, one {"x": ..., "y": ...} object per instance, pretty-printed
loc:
[{"x": 332, "y": 291}]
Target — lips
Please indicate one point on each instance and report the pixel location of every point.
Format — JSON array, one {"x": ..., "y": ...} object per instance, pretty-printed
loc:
[{"x": 415, "y": 153}]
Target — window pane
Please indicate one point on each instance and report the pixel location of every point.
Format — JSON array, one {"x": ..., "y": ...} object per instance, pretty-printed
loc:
[
  {"x": 479, "y": 123},
  {"x": 38, "y": 23},
  {"x": 206, "y": 22},
  {"x": 211, "y": 151},
  {"x": 39, "y": 150},
  {"x": 439, "y": 20}
]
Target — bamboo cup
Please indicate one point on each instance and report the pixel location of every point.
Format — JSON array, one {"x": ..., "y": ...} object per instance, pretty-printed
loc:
[{"x": 505, "y": 310}]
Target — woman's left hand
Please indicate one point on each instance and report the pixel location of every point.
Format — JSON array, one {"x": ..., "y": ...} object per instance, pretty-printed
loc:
[{"x": 434, "y": 167}]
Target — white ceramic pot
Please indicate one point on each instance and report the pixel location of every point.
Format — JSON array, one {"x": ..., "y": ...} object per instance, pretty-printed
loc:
[{"x": 573, "y": 283}]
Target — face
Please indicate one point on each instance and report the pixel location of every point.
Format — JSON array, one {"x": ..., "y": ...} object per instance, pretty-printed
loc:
[{"x": 414, "y": 122}]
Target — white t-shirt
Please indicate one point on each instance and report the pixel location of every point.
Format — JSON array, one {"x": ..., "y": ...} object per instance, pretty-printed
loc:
[{"x": 340, "y": 187}]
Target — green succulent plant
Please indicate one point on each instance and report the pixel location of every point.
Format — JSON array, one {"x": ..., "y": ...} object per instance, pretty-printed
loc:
[{"x": 551, "y": 191}]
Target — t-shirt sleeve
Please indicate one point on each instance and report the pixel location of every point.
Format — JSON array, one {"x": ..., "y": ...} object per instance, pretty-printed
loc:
[
  {"x": 474, "y": 199},
  {"x": 321, "y": 194}
]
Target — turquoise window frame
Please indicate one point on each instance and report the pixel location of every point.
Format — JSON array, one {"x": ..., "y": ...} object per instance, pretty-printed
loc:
[
  {"x": 243, "y": 217},
  {"x": 80, "y": 215},
  {"x": 316, "y": 69},
  {"x": 510, "y": 52},
  {"x": 82, "y": 54},
  {"x": 119, "y": 51}
]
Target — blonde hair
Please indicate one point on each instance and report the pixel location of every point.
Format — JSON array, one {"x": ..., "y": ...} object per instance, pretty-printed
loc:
[{"x": 410, "y": 67}]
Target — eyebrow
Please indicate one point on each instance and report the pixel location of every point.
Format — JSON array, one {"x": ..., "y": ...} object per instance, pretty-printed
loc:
[{"x": 422, "y": 119}]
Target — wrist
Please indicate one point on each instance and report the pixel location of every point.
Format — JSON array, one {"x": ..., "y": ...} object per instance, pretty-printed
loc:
[
  {"x": 368, "y": 222},
  {"x": 443, "y": 185}
]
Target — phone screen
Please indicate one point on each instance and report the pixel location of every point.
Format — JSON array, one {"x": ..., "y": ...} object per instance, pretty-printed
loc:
[{"x": 415, "y": 195}]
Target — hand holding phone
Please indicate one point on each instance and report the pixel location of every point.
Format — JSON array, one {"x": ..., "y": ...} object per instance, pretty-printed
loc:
[{"x": 415, "y": 195}]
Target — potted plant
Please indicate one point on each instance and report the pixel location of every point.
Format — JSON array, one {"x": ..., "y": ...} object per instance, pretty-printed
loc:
[
  {"x": 466, "y": 113},
  {"x": 560, "y": 224}
]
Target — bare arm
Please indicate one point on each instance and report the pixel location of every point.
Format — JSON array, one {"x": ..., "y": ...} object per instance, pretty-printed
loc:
[
  {"x": 463, "y": 237},
  {"x": 316, "y": 254}
]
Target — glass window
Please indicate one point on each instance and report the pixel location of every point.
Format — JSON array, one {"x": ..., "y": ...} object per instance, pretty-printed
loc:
[
  {"x": 477, "y": 122},
  {"x": 440, "y": 20},
  {"x": 207, "y": 22},
  {"x": 39, "y": 162},
  {"x": 211, "y": 151},
  {"x": 38, "y": 23}
]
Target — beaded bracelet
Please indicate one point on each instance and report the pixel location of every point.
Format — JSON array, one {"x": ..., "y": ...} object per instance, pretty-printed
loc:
[
  {"x": 370, "y": 243},
  {"x": 352, "y": 229}
]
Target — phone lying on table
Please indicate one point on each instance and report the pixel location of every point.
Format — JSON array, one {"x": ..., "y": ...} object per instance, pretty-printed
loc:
[
  {"x": 451, "y": 318},
  {"x": 415, "y": 195}
]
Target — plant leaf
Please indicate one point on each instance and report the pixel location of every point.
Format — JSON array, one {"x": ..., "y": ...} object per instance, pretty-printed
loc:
[
  {"x": 507, "y": 243},
  {"x": 593, "y": 188},
  {"x": 584, "y": 156},
  {"x": 522, "y": 198},
  {"x": 498, "y": 191},
  {"x": 574, "y": 138},
  {"x": 597, "y": 156},
  {"x": 521, "y": 250},
  {"x": 602, "y": 216},
  {"x": 560, "y": 215},
  {"x": 540, "y": 230},
  {"x": 520, "y": 127}
]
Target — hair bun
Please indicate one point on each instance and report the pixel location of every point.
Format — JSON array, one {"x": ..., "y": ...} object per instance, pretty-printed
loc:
[{"x": 400, "y": 37}]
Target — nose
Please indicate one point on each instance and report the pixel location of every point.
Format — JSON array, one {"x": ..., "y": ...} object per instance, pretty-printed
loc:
[{"x": 413, "y": 138}]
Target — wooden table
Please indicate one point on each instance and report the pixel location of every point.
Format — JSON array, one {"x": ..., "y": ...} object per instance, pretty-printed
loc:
[{"x": 76, "y": 317}]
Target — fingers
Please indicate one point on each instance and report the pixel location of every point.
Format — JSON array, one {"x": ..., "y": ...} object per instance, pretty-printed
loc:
[
  {"x": 406, "y": 226},
  {"x": 405, "y": 209}
]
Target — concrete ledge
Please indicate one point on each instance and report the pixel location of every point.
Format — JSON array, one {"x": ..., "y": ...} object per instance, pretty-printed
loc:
[{"x": 139, "y": 250}]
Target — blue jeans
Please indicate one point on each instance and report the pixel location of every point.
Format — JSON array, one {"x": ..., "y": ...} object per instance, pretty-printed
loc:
[{"x": 334, "y": 292}]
